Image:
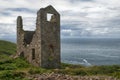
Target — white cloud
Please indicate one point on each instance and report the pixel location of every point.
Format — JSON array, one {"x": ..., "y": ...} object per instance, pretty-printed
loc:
[{"x": 93, "y": 17}]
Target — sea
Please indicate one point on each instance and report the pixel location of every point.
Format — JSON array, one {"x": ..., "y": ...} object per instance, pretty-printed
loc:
[{"x": 90, "y": 51}]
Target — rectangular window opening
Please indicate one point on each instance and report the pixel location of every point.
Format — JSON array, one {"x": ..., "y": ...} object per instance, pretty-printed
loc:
[
  {"x": 33, "y": 54},
  {"x": 49, "y": 16}
]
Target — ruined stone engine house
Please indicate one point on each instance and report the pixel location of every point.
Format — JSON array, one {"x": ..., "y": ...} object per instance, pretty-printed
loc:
[{"x": 42, "y": 46}]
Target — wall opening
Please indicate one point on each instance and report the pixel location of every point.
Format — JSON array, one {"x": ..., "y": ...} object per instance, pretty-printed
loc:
[
  {"x": 28, "y": 23},
  {"x": 51, "y": 47},
  {"x": 49, "y": 16},
  {"x": 33, "y": 54},
  {"x": 22, "y": 54}
]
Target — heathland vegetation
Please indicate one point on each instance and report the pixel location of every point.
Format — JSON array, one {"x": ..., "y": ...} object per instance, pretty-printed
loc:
[{"x": 19, "y": 69}]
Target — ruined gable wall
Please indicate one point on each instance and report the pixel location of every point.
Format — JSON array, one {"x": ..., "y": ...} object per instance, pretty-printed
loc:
[
  {"x": 50, "y": 38},
  {"x": 24, "y": 48}
]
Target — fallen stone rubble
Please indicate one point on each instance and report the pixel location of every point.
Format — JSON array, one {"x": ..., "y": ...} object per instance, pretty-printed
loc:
[{"x": 54, "y": 76}]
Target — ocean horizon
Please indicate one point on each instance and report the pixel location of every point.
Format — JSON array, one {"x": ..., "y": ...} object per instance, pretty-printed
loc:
[{"x": 90, "y": 51}]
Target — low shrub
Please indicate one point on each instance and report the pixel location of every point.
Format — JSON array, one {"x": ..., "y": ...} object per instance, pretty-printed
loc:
[
  {"x": 21, "y": 63},
  {"x": 11, "y": 75},
  {"x": 37, "y": 71}
]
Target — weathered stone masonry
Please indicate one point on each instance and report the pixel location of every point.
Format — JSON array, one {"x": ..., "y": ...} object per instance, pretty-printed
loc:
[{"x": 42, "y": 46}]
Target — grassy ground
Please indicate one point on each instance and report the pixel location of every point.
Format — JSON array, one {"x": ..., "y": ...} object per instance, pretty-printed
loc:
[
  {"x": 20, "y": 69},
  {"x": 6, "y": 49}
]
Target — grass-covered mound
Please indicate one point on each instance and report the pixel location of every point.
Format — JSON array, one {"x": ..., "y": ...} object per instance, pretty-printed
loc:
[
  {"x": 6, "y": 49},
  {"x": 20, "y": 69}
]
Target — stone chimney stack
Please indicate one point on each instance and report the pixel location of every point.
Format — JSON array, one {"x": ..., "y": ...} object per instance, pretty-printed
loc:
[{"x": 19, "y": 22}]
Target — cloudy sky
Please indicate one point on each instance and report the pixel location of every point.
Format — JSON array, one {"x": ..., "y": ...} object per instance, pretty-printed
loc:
[{"x": 79, "y": 18}]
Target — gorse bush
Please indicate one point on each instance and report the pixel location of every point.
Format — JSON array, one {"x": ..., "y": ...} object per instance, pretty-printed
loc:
[
  {"x": 12, "y": 75},
  {"x": 13, "y": 64},
  {"x": 21, "y": 63},
  {"x": 12, "y": 69},
  {"x": 7, "y": 65}
]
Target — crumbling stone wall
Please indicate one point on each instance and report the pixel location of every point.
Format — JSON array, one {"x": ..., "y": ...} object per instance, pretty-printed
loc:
[{"x": 42, "y": 46}]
